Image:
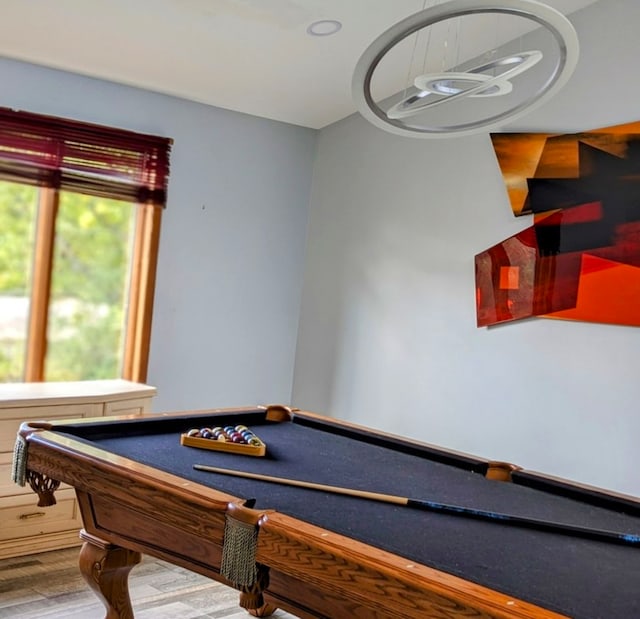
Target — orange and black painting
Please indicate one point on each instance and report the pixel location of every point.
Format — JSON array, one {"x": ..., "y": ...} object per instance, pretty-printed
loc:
[{"x": 580, "y": 260}]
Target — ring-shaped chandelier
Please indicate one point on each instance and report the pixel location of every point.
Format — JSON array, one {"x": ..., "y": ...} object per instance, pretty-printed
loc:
[{"x": 477, "y": 82}]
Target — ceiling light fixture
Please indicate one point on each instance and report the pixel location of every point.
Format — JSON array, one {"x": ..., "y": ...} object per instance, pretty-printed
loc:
[
  {"x": 324, "y": 27},
  {"x": 450, "y": 100}
]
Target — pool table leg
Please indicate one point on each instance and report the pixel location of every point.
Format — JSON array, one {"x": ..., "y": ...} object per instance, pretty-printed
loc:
[
  {"x": 251, "y": 596},
  {"x": 106, "y": 569},
  {"x": 266, "y": 610}
]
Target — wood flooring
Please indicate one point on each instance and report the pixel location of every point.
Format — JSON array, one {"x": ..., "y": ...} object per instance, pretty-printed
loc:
[{"x": 49, "y": 586}]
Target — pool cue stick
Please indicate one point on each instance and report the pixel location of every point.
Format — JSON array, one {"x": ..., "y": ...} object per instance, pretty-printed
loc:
[{"x": 628, "y": 539}]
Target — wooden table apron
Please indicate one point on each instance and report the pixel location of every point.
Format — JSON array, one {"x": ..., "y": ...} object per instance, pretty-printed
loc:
[{"x": 311, "y": 572}]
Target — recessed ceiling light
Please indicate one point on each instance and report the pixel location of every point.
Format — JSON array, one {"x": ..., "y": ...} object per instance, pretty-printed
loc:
[{"x": 324, "y": 27}]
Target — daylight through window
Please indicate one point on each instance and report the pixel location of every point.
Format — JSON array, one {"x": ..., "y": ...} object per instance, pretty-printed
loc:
[{"x": 80, "y": 212}]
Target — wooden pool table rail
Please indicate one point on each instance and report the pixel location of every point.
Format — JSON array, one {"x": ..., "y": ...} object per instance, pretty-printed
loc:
[{"x": 129, "y": 508}]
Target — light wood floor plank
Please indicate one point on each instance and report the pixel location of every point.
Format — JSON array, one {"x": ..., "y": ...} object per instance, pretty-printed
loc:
[{"x": 49, "y": 586}]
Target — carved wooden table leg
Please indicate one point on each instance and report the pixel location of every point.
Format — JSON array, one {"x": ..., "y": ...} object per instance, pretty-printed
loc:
[
  {"x": 264, "y": 611},
  {"x": 106, "y": 569},
  {"x": 251, "y": 597}
]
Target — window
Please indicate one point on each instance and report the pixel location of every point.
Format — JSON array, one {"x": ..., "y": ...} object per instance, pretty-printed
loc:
[{"x": 80, "y": 213}]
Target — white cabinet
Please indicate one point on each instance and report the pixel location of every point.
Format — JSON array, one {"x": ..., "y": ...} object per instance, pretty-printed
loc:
[{"x": 24, "y": 527}]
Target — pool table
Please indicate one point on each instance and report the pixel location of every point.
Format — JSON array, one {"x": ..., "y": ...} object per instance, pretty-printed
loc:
[{"x": 319, "y": 554}]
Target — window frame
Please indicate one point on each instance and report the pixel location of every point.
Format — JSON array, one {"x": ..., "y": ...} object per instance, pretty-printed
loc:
[
  {"x": 141, "y": 290},
  {"x": 60, "y": 154}
]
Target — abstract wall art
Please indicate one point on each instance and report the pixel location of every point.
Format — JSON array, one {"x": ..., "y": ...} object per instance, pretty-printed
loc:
[{"x": 580, "y": 260}]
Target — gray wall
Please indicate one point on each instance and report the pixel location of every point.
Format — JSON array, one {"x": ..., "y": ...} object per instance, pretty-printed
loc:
[
  {"x": 387, "y": 334},
  {"x": 233, "y": 235},
  {"x": 387, "y": 331}
]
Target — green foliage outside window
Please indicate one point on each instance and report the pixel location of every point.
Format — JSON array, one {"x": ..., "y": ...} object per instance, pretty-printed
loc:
[
  {"x": 17, "y": 213},
  {"x": 89, "y": 281}
]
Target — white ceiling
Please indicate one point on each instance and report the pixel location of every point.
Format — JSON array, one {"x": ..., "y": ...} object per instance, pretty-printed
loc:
[{"x": 251, "y": 56}]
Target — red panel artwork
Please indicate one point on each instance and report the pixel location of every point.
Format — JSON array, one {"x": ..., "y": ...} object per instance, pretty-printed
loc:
[{"x": 581, "y": 258}]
